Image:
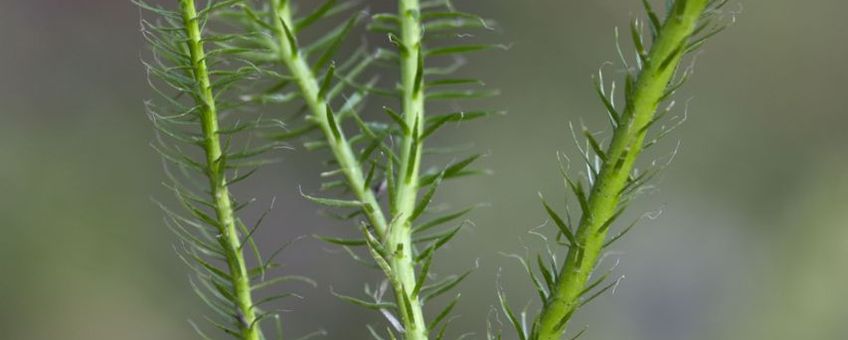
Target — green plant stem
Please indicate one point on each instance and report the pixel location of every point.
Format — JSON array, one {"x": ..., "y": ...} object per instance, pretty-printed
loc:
[
  {"x": 310, "y": 89},
  {"x": 229, "y": 237},
  {"x": 397, "y": 238},
  {"x": 626, "y": 145},
  {"x": 400, "y": 239}
]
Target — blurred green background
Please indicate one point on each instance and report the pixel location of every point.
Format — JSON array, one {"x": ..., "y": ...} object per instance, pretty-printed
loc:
[{"x": 752, "y": 243}]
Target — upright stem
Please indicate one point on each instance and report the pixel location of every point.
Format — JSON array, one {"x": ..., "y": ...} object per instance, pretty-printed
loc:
[
  {"x": 626, "y": 145},
  {"x": 229, "y": 240},
  {"x": 398, "y": 237}
]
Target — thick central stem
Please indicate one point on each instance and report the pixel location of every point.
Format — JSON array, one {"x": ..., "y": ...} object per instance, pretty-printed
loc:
[{"x": 400, "y": 238}]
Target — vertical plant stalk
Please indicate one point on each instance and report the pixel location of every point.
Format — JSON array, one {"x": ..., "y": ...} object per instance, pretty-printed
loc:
[
  {"x": 627, "y": 143},
  {"x": 412, "y": 97},
  {"x": 397, "y": 238},
  {"x": 229, "y": 235}
]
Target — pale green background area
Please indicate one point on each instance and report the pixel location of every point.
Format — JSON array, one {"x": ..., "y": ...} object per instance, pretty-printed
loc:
[{"x": 752, "y": 243}]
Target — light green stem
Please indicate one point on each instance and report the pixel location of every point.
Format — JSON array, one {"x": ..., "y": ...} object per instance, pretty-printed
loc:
[
  {"x": 310, "y": 89},
  {"x": 397, "y": 238},
  {"x": 626, "y": 145},
  {"x": 400, "y": 239},
  {"x": 229, "y": 239}
]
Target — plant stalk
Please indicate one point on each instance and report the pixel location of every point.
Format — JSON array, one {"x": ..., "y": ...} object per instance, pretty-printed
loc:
[
  {"x": 339, "y": 145},
  {"x": 626, "y": 146},
  {"x": 398, "y": 237},
  {"x": 229, "y": 240}
]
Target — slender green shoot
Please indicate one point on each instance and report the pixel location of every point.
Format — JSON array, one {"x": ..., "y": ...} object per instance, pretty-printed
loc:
[
  {"x": 202, "y": 133},
  {"x": 612, "y": 175}
]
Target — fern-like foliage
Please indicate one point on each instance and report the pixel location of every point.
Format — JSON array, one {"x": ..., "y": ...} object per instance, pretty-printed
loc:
[
  {"x": 376, "y": 160},
  {"x": 612, "y": 179},
  {"x": 205, "y": 140}
]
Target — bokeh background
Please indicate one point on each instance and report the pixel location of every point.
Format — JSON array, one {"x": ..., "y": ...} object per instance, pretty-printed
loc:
[{"x": 752, "y": 243}]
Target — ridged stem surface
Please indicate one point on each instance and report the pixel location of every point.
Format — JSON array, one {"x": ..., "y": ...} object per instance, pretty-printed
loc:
[{"x": 622, "y": 153}]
